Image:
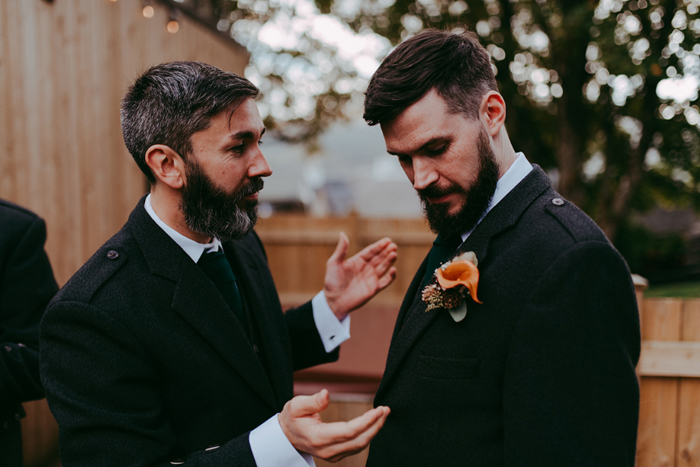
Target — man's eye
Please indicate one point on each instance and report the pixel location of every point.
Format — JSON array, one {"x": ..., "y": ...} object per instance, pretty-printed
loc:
[
  {"x": 238, "y": 149},
  {"x": 436, "y": 151}
]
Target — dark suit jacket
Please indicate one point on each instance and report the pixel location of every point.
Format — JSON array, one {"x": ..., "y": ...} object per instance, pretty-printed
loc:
[
  {"x": 543, "y": 373},
  {"x": 26, "y": 286},
  {"x": 143, "y": 362}
]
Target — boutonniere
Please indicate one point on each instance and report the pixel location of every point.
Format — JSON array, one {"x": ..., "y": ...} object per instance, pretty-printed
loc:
[{"x": 451, "y": 283}]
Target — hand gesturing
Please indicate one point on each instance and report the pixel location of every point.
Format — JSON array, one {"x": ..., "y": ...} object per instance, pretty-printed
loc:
[{"x": 351, "y": 282}]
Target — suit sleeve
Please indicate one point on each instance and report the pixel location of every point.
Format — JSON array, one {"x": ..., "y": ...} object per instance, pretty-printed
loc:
[
  {"x": 107, "y": 395},
  {"x": 571, "y": 396},
  {"x": 307, "y": 347},
  {"x": 26, "y": 286}
]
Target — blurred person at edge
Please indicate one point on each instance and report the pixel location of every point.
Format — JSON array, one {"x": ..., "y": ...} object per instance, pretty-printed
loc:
[
  {"x": 26, "y": 286},
  {"x": 541, "y": 369},
  {"x": 169, "y": 346}
]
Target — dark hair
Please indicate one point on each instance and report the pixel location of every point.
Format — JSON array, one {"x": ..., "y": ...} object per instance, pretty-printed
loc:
[
  {"x": 456, "y": 65},
  {"x": 172, "y": 101}
]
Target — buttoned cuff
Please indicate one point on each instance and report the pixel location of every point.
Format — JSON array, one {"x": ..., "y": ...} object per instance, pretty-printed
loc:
[
  {"x": 271, "y": 448},
  {"x": 332, "y": 331}
]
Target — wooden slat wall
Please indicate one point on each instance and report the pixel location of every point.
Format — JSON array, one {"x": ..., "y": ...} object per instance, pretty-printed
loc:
[{"x": 64, "y": 67}]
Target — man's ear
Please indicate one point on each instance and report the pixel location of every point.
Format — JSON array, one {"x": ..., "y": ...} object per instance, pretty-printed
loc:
[
  {"x": 493, "y": 112},
  {"x": 167, "y": 165}
]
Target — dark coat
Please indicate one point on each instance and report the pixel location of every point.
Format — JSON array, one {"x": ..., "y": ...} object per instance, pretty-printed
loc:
[
  {"x": 26, "y": 286},
  {"x": 143, "y": 362},
  {"x": 543, "y": 373}
]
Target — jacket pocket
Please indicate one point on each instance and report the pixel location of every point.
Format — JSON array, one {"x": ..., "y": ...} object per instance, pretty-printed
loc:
[{"x": 447, "y": 368}]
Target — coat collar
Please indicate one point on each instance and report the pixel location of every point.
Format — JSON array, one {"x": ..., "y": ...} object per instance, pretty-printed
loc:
[
  {"x": 198, "y": 302},
  {"x": 413, "y": 319}
]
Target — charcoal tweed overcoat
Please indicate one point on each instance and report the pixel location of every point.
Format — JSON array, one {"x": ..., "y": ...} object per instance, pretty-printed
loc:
[
  {"x": 542, "y": 373},
  {"x": 144, "y": 363}
]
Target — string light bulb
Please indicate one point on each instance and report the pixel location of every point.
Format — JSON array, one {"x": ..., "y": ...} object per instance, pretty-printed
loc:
[
  {"x": 148, "y": 11},
  {"x": 173, "y": 26}
]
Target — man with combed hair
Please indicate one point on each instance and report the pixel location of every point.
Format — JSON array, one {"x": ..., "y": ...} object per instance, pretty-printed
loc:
[
  {"x": 522, "y": 350},
  {"x": 169, "y": 346}
]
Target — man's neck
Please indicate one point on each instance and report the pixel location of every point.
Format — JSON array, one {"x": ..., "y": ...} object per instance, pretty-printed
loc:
[{"x": 166, "y": 204}]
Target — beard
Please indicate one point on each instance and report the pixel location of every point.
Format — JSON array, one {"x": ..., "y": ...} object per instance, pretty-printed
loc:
[
  {"x": 211, "y": 211},
  {"x": 475, "y": 199}
]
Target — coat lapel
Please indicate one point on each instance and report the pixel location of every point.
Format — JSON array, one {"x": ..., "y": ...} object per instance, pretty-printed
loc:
[
  {"x": 263, "y": 303},
  {"x": 413, "y": 319},
  {"x": 198, "y": 302}
]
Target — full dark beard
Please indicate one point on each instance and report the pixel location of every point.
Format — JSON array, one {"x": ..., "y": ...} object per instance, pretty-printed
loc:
[
  {"x": 211, "y": 211},
  {"x": 476, "y": 198}
]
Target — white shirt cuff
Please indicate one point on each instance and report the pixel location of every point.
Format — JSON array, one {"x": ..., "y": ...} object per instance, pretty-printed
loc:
[
  {"x": 332, "y": 331},
  {"x": 271, "y": 448}
]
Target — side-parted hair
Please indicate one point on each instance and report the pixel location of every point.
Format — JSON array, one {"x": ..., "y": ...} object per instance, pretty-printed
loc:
[
  {"x": 456, "y": 65},
  {"x": 172, "y": 101}
]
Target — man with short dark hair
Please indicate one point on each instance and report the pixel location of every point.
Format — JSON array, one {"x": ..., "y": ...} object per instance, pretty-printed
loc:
[
  {"x": 26, "y": 286},
  {"x": 517, "y": 341},
  {"x": 169, "y": 346}
]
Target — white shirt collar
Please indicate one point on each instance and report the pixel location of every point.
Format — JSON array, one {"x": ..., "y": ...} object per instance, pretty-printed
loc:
[
  {"x": 194, "y": 249},
  {"x": 514, "y": 175}
]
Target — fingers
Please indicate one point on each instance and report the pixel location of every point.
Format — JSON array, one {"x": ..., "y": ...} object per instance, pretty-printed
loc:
[
  {"x": 371, "y": 251},
  {"x": 301, "y": 406},
  {"x": 347, "y": 438},
  {"x": 341, "y": 249},
  {"x": 387, "y": 279}
]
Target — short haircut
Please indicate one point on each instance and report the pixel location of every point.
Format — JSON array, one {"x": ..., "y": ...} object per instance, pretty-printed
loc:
[
  {"x": 455, "y": 65},
  {"x": 172, "y": 101}
]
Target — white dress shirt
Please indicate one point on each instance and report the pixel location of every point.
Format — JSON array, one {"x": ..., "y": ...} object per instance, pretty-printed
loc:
[
  {"x": 514, "y": 175},
  {"x": 270, "y": 446}
]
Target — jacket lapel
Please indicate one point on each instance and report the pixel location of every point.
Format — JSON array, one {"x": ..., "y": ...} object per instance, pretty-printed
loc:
[
  {"x": 198, "y": 302},
  {"x": 261, "y": 297},
  {"x": 413, "y": 319}
]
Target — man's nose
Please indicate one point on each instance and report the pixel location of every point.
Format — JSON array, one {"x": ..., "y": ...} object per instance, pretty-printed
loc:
[
  {"x": 424, "y": 174},
  {"x": 259, "y": 167}
]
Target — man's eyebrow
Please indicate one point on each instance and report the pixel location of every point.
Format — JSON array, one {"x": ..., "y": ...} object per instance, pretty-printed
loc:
[
  {"x": 425, "y": 145},
  {"x": 247, "y": 134}
]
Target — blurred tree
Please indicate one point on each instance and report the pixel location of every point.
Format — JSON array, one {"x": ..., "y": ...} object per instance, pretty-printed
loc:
[{"x": 602, "y": 94}]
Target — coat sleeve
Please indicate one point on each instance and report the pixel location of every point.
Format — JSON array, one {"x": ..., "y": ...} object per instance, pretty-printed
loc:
[
  {"x": 307, "y": 347},
  {"x": 106, "y": 395},
  {"x": 26, "y": 286},
  {"x": 571, "y": 396}
]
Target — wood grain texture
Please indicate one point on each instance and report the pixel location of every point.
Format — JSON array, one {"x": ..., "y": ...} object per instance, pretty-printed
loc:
[{"x": 688, "y": 442}]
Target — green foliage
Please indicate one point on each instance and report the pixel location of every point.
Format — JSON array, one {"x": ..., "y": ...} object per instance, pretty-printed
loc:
[
  {"x": 581, "y": 80},
  {"x": 648, "y": 253}
]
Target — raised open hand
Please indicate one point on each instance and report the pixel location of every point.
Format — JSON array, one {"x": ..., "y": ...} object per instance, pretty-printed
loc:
[{"x": 351, "y": 282}]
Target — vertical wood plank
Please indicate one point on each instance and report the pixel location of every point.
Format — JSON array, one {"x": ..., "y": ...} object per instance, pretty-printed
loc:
[
  {"x": 658, "y": 418},
  {"x": 688, "y": 451}
]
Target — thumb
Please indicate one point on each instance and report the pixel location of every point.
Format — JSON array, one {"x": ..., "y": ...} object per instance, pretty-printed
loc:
[
  {"x": 309, "y": 405},
  {"x": 340, "y": 250}
]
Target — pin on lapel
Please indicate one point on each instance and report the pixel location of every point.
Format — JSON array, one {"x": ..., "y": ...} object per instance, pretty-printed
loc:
[{"x": 450, "y": 285}]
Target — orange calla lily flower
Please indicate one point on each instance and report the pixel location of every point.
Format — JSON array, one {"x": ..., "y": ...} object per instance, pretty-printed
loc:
[{"x": 460, "y": 273}]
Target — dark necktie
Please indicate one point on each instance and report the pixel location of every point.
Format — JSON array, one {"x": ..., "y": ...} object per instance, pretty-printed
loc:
[
  {"x": 217, "y": 268},
  {"x": 443, "y": 249}
]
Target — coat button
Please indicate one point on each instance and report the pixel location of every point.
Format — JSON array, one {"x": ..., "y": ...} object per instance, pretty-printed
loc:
[
  {"x": 18, "y": 417},
  {"x": 558, "y": 202},
  {"x": 19, "y": 344},
  {"x": 8, "y": 348},
  {"x": 112, "y": 254},
  {"x": 177, "y": 462},
  {"x": 255, "y": 347},
  {"x": 212, "y": 448}
]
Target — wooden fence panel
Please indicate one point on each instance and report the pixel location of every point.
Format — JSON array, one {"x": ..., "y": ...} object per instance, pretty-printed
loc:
[
  {"x": 656, "y": 442},
  {"x": 688, "y": 449}
]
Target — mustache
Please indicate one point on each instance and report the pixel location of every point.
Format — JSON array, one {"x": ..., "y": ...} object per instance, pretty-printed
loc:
[
  {"x": 434, "y": 191},
  {"x": 254, "y": 186}
]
